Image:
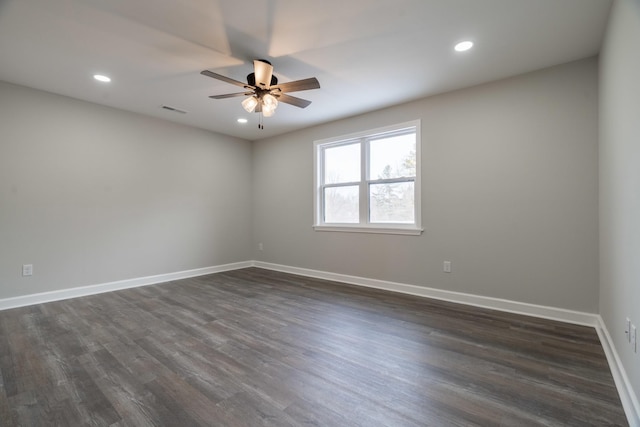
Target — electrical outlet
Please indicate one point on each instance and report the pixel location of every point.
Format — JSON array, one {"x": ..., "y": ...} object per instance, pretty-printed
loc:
[
  {"x": 27, "y": 270},
  {"x": 446, "y": 267},
  {"x": 627, "y": 329},
  {"x": 260, "y": 246},
  {"x": 634, "y": 343}
]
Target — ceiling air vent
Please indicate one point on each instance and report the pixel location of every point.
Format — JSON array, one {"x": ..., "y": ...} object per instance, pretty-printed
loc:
[{"x": 175, "y": 110}]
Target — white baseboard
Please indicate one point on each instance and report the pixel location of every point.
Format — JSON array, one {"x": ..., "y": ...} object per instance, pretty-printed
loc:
[
  {"x": 553, "y": 313},
  {"x": 627, "y": 395},
  {"x": 82, "y": 291}
]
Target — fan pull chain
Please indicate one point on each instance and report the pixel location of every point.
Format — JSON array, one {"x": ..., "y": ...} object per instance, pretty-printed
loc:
[{"x": 261, "y": 121}]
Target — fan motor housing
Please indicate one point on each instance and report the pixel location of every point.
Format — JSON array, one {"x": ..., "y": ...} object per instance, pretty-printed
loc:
[{"x": 251, "y": 79}]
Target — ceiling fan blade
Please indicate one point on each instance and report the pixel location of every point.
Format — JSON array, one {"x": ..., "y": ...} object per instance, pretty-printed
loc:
[
  {"x": 231, "y": 95},
  {"x": 288, "y": 99},
  {"x": 298, "y": 85},
  {"x": 225, "y": 79},
  {"x": 263, "y": 72}
]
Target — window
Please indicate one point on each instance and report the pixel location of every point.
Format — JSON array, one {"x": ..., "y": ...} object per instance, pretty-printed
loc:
[{"x": 369, "y": 182}]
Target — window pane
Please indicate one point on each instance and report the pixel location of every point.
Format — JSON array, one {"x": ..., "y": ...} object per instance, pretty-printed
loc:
[
  {"x": 392, "y": 203},
  {"x": 342, "y": 164},
  {"x": 341, "y": 204},
  {"x": 392, "y": 157}
]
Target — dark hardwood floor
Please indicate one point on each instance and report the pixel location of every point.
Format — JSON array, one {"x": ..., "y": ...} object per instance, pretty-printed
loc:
[{"x": 259, "y": 348}]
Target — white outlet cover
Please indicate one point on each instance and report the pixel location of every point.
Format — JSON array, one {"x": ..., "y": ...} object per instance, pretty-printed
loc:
[
  {"x": 27, "y": 270},
  {"x": 446, "y": 267}
]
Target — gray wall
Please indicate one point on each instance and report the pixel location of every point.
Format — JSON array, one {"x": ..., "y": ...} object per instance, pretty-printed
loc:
[
  {"x": 89, "y": 194},
  {"x": 509, "y": 193},
  {"x": 620, "y": 180}
]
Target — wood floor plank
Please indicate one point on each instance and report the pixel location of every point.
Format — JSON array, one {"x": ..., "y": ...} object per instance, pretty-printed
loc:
[{"x": 254, "y": 347}]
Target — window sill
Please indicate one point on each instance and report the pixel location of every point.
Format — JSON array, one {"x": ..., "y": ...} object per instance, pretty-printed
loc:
[{"x": 408, "y": 231}]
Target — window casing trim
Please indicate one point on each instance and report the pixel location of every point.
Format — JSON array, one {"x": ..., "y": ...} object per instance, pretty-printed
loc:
[{"x": 364, "y": 138}]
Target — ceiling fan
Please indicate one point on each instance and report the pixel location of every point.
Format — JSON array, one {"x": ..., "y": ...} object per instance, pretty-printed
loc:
[{"x": 263, "y": 90}]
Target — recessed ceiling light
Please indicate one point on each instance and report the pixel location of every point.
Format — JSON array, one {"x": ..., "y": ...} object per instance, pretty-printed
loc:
[
  {"x": 462, "y": 46},
  {"x": 242, "y": 120},
  {"x": 101, "y": 78}
]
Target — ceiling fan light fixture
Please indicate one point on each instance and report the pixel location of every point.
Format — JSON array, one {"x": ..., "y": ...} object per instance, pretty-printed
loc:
[
  {"x": 249, "y": 104},
  {"x": 269, "y": 101},
  {"x": 263, "y": 97},
  {"x": 269, "y": 104},
  {"x": 268, "y": 111}
]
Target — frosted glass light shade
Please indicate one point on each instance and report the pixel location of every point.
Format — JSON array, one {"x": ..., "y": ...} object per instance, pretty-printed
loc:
[
  {"x": 267, "y": 111},
  {"x": 270, "y": 101},
  {"x": 250, "y": 104}
]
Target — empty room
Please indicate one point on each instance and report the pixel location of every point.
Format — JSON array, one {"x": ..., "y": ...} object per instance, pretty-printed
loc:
[{"x": 296, "y": 213}]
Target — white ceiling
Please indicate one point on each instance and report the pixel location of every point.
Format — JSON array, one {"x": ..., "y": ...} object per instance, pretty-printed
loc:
[{"x": 367, "y": 54}]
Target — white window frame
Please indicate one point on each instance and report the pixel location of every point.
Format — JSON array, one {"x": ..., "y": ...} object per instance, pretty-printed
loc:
[{"x": 364, "y": 226}]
